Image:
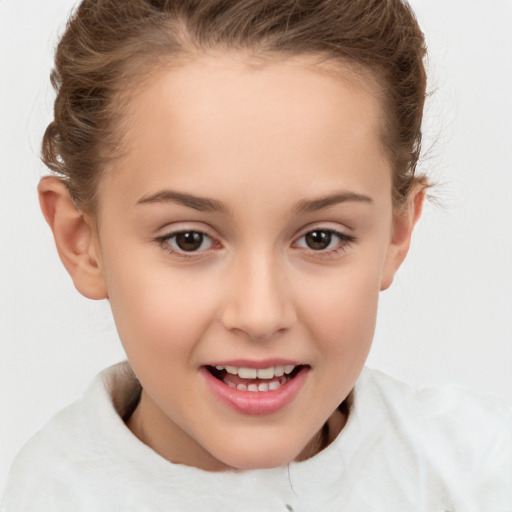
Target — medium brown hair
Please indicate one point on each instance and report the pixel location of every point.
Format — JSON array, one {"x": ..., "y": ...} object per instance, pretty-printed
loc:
[{"x": 110, "y": 45}]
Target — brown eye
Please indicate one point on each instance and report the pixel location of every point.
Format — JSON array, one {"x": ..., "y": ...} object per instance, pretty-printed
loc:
[
  {"x": 189, "y": 241},
  {"x": 328, "y": 241},
  {"x": 318, "y": 240}
]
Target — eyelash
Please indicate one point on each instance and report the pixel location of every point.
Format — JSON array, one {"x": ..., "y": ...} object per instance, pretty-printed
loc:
[{"x": 344, "y": 241}]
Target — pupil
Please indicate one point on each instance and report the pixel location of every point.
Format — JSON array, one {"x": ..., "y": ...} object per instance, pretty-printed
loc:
[
  {"x": 189, "y": 241},
  {"x": 318, "y": 240}
]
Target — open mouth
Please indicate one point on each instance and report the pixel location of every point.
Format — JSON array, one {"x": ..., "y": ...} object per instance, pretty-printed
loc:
[{"x": 255, "y": 380}]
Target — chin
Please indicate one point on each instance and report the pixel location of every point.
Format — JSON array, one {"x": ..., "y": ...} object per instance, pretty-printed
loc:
[
  {"x": 254, "y": 457},
  {"x": 259, "y": 462}
]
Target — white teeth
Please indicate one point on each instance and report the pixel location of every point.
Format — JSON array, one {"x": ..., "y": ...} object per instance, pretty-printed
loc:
[
  {"x": 247, "y": 373},
  {"x": 261, "y": 373},
  {"x": 262, "y": 387},
  {"x": 279, "y": 371},
  {"x": 266, "y": 373}
]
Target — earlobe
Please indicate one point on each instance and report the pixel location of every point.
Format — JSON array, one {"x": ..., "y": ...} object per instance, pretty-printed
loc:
[
  {"x": 403, "y": 225},
  {"x": 75, "y": 238}
]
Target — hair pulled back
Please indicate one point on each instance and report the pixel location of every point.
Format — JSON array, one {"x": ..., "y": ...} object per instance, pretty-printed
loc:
[{"x": 109, "y": 45}]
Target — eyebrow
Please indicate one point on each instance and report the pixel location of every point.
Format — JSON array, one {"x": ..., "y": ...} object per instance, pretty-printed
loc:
[
  {"x": 321, "y": 203},
  {"x": 202, "y": 204}
]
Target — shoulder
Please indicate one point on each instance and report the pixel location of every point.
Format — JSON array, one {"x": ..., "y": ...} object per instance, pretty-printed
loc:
[
  {"x": 69, "y": 453},
  {"x": 450, "y": 407},
  {"x": 457, "y": 439}
]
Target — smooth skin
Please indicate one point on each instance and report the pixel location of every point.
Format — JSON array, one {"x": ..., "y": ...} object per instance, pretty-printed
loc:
[{"x": 257, "y": 163}]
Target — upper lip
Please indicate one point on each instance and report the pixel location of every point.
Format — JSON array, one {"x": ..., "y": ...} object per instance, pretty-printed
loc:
[{"x": 260, "y": 364}]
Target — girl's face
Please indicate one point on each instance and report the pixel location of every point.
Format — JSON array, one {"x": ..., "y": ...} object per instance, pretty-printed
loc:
[{"x": 243, "y": 239}]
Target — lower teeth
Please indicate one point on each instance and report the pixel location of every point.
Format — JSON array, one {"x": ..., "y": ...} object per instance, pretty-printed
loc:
[{"x": 261, "y": 387}]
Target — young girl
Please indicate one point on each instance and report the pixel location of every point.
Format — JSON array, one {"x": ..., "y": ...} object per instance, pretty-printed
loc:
[{"x": 238, "y": 179}]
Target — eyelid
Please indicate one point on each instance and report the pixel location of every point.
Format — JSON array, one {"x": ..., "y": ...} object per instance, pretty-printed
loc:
[
  {"x": 332, "y": 227},
  {"x": 339, "y": 234},
  {"x": 171, "y": 228}
]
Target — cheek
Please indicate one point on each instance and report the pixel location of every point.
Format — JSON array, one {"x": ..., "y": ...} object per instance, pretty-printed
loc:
[
  {"x": 342, "y": 308},
  {"x": 166, "y": 309}
]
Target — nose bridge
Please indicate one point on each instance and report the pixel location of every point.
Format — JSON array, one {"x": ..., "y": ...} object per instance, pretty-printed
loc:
[{"x": 259, "y": 302}]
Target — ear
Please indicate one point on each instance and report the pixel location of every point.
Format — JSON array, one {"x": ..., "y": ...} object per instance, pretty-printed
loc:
[
  {"x": 75, "y": 237},
  {"x": 404, "y": 221}
]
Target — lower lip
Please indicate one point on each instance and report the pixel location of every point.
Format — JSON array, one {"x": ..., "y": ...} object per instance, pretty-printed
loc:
[{"x": 257, "y": 402}]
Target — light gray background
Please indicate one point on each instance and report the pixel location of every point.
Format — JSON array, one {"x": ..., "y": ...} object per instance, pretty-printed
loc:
[{"x": 448, "y": 316}]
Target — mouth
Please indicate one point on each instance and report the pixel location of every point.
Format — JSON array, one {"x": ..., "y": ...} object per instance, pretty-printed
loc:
[
  {"x": 256, "y": 391},
  {"x": 255, "y": 380}
]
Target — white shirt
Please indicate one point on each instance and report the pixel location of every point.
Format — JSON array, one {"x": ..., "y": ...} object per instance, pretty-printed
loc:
[{"x": 402, "y": 449}]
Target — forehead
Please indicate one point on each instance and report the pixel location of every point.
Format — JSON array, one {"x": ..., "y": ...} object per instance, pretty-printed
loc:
[{"x": 227, "y": 117}]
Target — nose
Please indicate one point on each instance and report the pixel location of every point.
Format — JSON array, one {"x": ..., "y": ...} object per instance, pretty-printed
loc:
[{"x": 259, "y": 302}]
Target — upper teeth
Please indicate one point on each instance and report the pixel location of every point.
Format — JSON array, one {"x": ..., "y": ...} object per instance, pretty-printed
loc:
[{"x": 260, "y": 373}]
